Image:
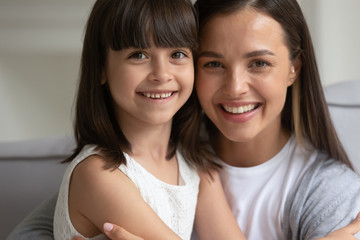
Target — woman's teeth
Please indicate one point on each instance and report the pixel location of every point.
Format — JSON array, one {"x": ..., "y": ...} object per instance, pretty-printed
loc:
[
  {"x": 241, "y": 109},
  {"x": 157, "y": 95}
]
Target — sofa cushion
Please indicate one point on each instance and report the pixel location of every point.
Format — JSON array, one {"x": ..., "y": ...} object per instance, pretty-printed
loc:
[
  {"x": 38, "y": 148},
  {"x": 30, "y": 172}
]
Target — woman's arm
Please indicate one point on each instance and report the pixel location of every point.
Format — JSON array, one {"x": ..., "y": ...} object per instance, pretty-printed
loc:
[
  {"x": 345, "y": 233},
  {"x": 99, "y": 195},
  {"x": 328, "y": 198},
  {"x": 214, "y": 219}
]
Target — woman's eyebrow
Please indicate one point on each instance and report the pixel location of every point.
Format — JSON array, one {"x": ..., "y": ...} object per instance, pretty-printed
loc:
[
  {"x": 259, "y": 53},
  {"x": 247, "y": 55},
  {"x": 210, "y": 54}
]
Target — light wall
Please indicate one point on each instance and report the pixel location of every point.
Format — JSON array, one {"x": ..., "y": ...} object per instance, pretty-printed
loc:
[
  {"x": 335, "y": 30},
  {"x": 40, "y": 44},
  {"x": 40, "y": 47}
]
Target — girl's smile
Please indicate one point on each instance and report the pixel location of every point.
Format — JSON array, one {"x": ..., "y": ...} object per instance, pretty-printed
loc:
[
  {"x": 157, "y": 95},
  {"x": 149, "y": 86}
]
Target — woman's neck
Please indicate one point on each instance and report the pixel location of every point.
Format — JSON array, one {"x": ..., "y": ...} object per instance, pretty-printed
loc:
[{"x": 249, "y": 153}]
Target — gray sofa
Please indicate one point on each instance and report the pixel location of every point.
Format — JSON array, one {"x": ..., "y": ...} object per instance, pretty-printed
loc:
[{"x": 30, "y": 171}]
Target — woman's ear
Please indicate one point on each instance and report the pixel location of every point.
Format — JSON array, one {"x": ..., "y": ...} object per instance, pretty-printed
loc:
[
  {"x": 103, "y": 78},
  {"x": 295, "y": 70}
]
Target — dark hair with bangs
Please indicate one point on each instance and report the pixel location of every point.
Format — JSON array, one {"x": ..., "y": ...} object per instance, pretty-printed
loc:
[
  {"x": 305, "y": 112},
  {"x": 120, "y": 24},
  {"x": 163, "y": 23}
]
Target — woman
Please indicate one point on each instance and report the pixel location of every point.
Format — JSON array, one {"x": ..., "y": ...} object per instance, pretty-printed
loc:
[
  {"x": 284, "y": 168},
  {"x": 285, "y": 173}
]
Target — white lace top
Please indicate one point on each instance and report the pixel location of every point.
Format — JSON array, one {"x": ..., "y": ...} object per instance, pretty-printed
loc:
[{"x": 174, "y": 204}]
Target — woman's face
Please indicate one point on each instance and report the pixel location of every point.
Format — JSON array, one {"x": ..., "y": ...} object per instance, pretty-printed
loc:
[{"x": 243, "y": 72}]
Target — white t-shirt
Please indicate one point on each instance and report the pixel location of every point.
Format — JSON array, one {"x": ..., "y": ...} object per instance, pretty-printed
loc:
[{"x": 257, "y": 195}]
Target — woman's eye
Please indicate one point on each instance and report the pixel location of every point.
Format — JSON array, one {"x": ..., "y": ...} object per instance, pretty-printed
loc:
[
  {"x": 138, "y": 55},
  {"x": 178, "y": 55},
  {"x": 259, "y": 64},
  {"x": 213, "y": 65}
]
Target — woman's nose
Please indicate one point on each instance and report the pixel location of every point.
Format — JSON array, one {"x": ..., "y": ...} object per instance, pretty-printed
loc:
[{"x": 236, "y": 84}]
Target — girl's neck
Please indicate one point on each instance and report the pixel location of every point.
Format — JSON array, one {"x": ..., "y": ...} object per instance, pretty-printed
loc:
[
  {"x": 250, "y": 153},
  {"x": 150, "y": 148},
  {"x": 150, "y": 141}
]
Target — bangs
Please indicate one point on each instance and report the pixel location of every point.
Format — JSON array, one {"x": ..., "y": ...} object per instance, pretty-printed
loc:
[{"x": 143, "y": 23}]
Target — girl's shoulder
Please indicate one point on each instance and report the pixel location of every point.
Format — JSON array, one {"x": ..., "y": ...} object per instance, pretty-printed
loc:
[
  {"x": 95, "y": 188},
  {"x": 93, "y": 171},
  {"x": 99, "y": 193}
]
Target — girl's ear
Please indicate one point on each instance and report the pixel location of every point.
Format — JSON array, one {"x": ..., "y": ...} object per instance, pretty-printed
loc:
[{"x": 295, "y": 70}]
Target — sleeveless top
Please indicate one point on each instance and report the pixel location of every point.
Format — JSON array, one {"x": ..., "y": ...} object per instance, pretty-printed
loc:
[{"x": 174, "y": 204}]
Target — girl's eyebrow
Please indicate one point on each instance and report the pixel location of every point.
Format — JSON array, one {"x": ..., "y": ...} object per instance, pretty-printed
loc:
[{"x": 259, "y": 53}]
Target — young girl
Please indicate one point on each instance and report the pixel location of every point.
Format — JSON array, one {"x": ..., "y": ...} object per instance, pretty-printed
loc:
[{"x": 137, "y": 151}]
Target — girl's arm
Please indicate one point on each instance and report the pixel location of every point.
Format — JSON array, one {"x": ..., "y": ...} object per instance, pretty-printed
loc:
[
  {"x": 99, "y": 195},
  {"x": 214, "y": 219}
]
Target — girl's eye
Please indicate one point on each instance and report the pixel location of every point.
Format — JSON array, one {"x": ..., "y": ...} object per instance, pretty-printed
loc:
[
  {"x": 138, "y": 55},
  {"x": 259, "y": 64},
  {"x": 213, "y": 65},
  {"x": 178, "y": 55}
]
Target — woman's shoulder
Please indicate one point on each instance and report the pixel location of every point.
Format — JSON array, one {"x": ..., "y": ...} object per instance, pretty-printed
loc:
[
  {"x": 331, "y": 170},
  {"x": 327, "y": 197}
]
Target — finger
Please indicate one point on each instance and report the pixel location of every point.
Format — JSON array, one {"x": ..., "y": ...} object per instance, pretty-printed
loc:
[
  {"x": 77, "y": 238},
  {"x": 115, "y": 232},
  {"x": 354, "y": 226}
]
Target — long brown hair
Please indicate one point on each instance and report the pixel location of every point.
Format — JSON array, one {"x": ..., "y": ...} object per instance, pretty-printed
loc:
[
  {"x": 116, "y": 25},
  {"x": 305, "y": 112}
]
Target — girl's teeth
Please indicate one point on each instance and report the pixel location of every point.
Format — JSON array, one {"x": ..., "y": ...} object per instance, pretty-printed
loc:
[
  {"x": 242, "y": 109},
  {"x": 157, "y": 95}
]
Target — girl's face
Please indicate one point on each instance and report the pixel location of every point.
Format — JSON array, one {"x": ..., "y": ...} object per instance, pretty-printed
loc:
[
  {"x": 243, "y": 72},
  {"x": 149, "y": 86}
]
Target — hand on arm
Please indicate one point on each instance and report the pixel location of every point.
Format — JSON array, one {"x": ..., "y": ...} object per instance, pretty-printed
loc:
[
  {"x": 115, "y": 232},
  {"x": 214, "y": 219},
  {"x": 99, "y": 195},
  {"x": 345, "y": 233}
]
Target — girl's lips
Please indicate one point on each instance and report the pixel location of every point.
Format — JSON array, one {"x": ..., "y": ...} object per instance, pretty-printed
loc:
[{"x": 157, "y": 95}]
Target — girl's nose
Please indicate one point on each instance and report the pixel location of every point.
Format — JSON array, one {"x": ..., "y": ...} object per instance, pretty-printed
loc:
[{"x": 161, "y": 71}]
